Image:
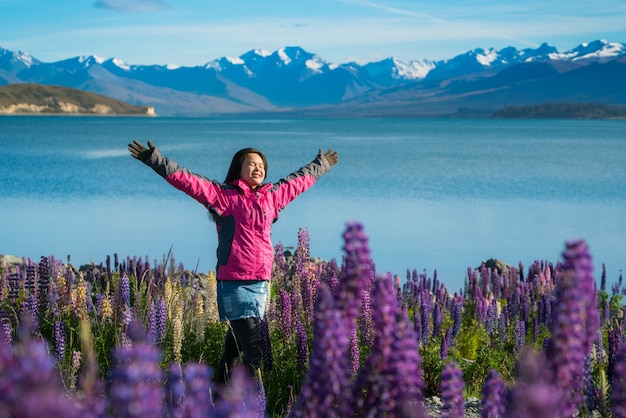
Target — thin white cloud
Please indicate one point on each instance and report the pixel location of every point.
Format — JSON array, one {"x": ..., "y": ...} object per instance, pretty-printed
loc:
[
  {"x": 443, "y": 27},
  {"x": 130, "y": 5},
  {"x": 395, "y": 10}
]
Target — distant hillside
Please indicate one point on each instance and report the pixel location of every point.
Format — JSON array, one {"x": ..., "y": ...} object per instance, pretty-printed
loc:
[
  {"x": 562, "y": 111},
  {"x": 44, "y": 99}
]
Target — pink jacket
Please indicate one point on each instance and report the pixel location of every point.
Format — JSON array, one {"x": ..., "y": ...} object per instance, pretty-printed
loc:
[{"x": 244, "y": 216}]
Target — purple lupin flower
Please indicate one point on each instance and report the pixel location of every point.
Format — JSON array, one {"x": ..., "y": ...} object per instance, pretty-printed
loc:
[
  {"x": 606, "y": 312},
  {"x": 43, "y": 291},
  {"x": 124, "y": 301},
  {"x": 124, "y": 290},
  {"x": 357, "y": 275},
  {"x": 302, "y": 256},
  {"x": 615, "y": 338},
  {"x": 513, "y": 303},
  {"x": 371, "y": 391},
  {"x": 127, "y": 315},
  {"x": 6, "y": 332},
  {"x": 503, "y": 323},
  {"x": 30, "y": 281},
  {"x": 13, "y": 281},
  {"x": 329, "y": 275},
  {"x": 152, "y": 324},
  {"x": 365, "y": 320},
  {"x": 426, "y": 309},
  {"x": 161, "y": 319},
  {"x": 589, "y": 389},
  {"x": 506, "y": 285},
  {"x": 284, "y": 304},
  {"x": 618, "y": 385},
  {"x": 407, "y": 387},
  {"x": 480, "y": 310},
  {"x": 302, "y": 348},
  {"x": 30, "y": 385},
  {"x": 280, "y": 268},
  {"x": 457, "y": 313},
  {"x": 266, "y": 345},
  {"x": 59, "y": 340},
  {"x": 452, "y": 386},
  {"x": 296, "y": 303},
  {"x": 491, "y": 322},
  {"x": 519, "y": 334},
  {"x": 262, "y": 400},
  {"x": 243, "y": 397},
  {"x": 493, "y": 402},
  {"x": 197, "y": 401},
  {"x": 107, "y": 264},
  {"x": 140, "y": 268},
  {"x": 391, "y": 378},
  {"x": 574, "y": 326},
  {"x": 306, "y": 288},
  {"x": 445, "y": 344},
  {"x": 355, "y": 354},
  {"x": 437, "y": 319},
  {"x": 524, "y": 302},
  {"x": 30, "y": 307},
  {"x": 546, "y": 310},
  {"x": 598, "y": 345},
  {"x": 485, "y": 275},
  {"x": 324, "y": 387},
  {"x": 136, "y": 388},
  {"x": 532, "y": 395},
  {"x": 174, "y": 390},
  {"x": 417, "y": 325},
  {"x": 441, "y": 292},
  {"x": 496, "y": 284}
]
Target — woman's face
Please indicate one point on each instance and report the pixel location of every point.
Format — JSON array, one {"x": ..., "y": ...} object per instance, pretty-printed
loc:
[{"x": 253, "y": 170}]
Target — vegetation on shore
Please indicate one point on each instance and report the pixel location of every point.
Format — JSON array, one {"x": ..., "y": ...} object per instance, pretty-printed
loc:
[
  {"x": 54, "y": 100},
  {"x": 562, "y": 111}
]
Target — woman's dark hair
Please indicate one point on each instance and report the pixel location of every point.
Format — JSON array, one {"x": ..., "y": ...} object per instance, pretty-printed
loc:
[{"x": 234, "y": 171}]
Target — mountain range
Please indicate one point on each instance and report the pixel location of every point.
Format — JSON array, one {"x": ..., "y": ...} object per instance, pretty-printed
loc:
[{"x": 294, "y": 81}]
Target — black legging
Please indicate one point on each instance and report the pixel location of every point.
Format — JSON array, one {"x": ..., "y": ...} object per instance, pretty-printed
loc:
[{"x": 246, "y": 340}]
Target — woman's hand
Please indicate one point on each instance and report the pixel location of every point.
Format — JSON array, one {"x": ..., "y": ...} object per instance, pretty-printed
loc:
[
  {"x": 138, "y": 151},
  {"x": 331, "y": 156}
]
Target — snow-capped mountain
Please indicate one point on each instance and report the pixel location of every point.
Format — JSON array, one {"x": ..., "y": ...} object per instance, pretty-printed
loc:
[
  {"x": 593, "y": 50},
  {"x": 293, "y": 79},
  {"x": 391, "y": 70},
  {"x": 12, "y": 63}
]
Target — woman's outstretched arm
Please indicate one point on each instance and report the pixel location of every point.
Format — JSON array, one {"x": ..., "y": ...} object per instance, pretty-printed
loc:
[
  {"x": 206, "y": 191},
  {"x": 288, "y": 188}
]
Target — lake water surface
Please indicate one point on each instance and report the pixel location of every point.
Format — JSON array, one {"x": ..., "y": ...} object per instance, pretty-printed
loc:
[{"x": 433, "y": 194}]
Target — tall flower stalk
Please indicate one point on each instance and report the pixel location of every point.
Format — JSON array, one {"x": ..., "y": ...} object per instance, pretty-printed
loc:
[
  {"x": 574, "y": 326},
  {"x": 618, "y": 385},
  {"x": 452, "y": 387}
]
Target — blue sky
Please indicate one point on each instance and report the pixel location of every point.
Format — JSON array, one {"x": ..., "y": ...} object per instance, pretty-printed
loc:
[{"x": 194, "y": 32}]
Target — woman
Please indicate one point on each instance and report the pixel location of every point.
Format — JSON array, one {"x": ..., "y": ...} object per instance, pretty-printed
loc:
[{"x": 244, "y": 209}]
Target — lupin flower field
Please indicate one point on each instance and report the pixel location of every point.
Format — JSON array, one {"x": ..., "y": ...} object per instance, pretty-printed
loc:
[{"x": 136, "y": 337}]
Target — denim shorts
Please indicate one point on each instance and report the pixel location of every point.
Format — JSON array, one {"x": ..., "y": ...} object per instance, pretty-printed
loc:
[{"x": 239, "y": 299}]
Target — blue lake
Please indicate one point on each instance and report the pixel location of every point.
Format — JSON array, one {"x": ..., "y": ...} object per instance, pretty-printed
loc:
[{"x": 433, "y": 194}]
